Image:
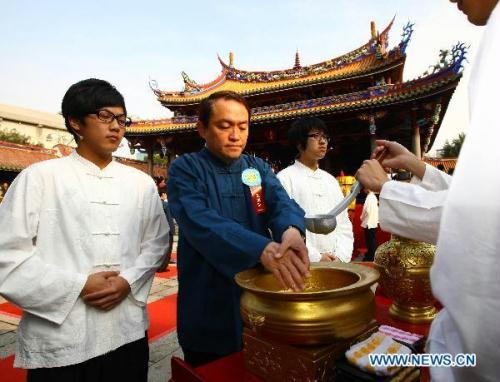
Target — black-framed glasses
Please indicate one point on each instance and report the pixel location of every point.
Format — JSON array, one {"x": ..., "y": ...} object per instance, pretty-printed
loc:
[
  {"x": 106, "y": 116},
  {"x": 319, "y": 137}
]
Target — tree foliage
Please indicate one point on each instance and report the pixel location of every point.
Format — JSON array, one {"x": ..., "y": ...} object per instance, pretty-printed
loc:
[
  {"x": 452, "y": 149},
  {"x": 14, "y": 137},
  {"x": 157, "y": 159}
]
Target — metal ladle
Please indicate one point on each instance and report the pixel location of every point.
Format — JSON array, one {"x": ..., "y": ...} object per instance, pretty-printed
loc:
[{"x": 326, "y": 223}]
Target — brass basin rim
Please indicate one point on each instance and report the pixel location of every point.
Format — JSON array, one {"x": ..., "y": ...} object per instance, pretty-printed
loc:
[{"x": 366, "y": 277}]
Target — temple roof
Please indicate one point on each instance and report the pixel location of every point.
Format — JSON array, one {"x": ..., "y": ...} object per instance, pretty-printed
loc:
[
  {"x": 369, "y": 58},
  {"x": 377, "y": 96},
  {"x": 16, "y": 157},
  {"x": 447, "y": 163}
]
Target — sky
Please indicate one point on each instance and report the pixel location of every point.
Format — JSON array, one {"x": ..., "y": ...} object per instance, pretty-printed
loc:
[{"x": 48, "y": 45}]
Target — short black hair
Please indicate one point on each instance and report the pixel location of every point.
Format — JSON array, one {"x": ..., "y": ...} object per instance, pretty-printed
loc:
[
  {"x": 86, "y": 97},
  {"x": 300, "y": 129},
  {"x": 205, "y": 108}
]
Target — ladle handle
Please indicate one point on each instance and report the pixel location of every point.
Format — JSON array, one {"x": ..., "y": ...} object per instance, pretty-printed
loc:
[
  {"x": 381, "y": 155},
  {"x": 355, "y": 189}
]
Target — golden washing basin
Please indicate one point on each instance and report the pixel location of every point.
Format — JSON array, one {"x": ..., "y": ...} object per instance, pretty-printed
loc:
[{"x": 337, "y": 303}]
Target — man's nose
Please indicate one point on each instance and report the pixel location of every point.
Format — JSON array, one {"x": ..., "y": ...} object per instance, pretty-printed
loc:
[
  {"x": 235, "y": 134},
  {"x": 114, "y": 126}
]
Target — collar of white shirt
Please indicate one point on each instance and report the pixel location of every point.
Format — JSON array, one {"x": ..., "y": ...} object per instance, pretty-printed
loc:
[
  {"x": 306, "y": 170},
  {"x": 91, "y": 168}
]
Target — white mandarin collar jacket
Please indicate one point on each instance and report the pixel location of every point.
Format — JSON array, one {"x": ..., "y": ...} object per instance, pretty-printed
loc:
[
  {"x": 317, "y": 192},
  {"x": 64, "y": 219}
]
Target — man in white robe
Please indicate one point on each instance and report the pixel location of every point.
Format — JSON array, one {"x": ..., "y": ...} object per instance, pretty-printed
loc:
[
  {"x": 462, "y": 214},
  {"x": 82, "y": 238},
  {"x": 369, "y": 223},
  {"x": 316, "y": 191}
]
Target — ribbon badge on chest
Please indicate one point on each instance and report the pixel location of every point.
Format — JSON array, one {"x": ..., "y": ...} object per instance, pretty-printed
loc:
[{"x": 251, "y": 178}]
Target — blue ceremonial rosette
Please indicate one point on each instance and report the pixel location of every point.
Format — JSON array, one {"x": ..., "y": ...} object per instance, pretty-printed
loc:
[{"x": 251, "y": 177}]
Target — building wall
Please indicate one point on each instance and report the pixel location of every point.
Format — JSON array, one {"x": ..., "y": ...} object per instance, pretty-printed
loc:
[{"x": 42, "y": 128}]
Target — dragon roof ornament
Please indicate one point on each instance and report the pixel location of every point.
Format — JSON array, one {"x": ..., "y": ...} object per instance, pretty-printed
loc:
[
  {"x": 406, "y": 36},
  {"x": 450, "y": 60}
]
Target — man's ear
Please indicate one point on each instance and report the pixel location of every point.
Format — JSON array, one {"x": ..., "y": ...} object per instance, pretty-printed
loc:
[
  {"x": 75, "y": 124},
  {"x": 201, "y": 129}
]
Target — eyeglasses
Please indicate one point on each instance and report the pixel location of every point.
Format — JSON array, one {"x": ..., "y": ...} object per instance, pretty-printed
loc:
[
  {"x": 319, "y": 137},
  {"x": 106, "y": 116}
]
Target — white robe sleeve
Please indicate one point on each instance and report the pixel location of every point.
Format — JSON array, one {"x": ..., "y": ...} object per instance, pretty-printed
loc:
[
  {"x": 41, "y": 289},
  {"x": 413, "y": 210},
  {"x": 154, "y": 247},
  {"x": 433, "y": 180}
]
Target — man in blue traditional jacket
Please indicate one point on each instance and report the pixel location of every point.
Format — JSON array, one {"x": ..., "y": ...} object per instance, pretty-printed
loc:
[{"x": 232, "y": 214}]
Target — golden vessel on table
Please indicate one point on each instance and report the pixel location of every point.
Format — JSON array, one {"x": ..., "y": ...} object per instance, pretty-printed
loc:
[
  {"x": 337, "y": 303},
  {"x": 404, "y": 267}
]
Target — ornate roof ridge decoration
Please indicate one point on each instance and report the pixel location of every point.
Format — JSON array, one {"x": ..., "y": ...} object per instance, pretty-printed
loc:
[
  {"x": 190, "y": 85},
  {"x": 297, "y": 61},
  {"x": 181, "y": 97},
  {"x": 153, "y": 85},
  {"x": 450, "y": 59},
  {"x": 372, "y": 97},
  {"x": 370, "y": 93},
  {"x": 406, "y": 36},
  {"x": 375, "y": 46},
  {"x": 449, "y": 68},
  {"x": 141, "y": 122},
  {"x": 300, "y": 71}
]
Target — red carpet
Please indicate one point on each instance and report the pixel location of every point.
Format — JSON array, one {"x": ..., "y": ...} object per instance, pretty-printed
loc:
[
  {"x": 10, "y": 310},
  {"x": 162, "y": 317},
  {"x": 10, "y": 374},
  {"x": 170, "y": 273}
]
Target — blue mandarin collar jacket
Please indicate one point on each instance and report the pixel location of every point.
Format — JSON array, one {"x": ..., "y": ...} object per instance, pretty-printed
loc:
[{"x": 220, "y": 234}]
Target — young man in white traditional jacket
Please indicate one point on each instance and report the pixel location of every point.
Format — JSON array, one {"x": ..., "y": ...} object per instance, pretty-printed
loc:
[
  {"x": 316, "y": 191},
  {"x": 84, "y": 235},
  {"x": 460, "y": 214}
]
